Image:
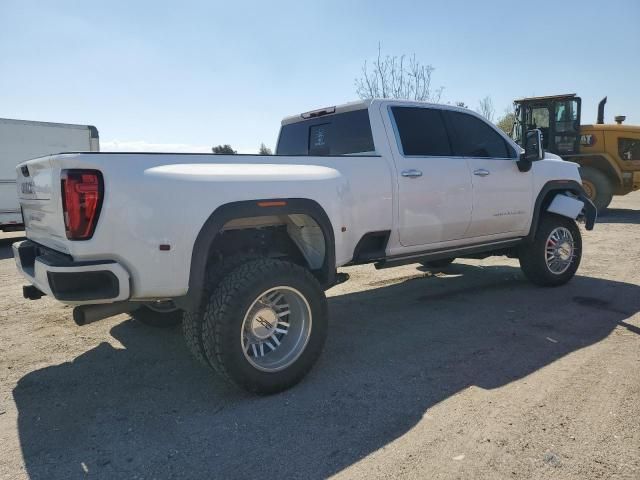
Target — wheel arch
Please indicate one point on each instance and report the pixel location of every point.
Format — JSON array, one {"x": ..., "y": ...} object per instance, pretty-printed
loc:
[
  {"x": 546, "y": 196},
  {"x": 226, "y": 213}
]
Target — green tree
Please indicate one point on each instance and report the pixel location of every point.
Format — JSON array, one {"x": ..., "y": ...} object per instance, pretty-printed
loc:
[
  {"x": 505, "y": 123},
  {"x": 264, "y": 150},
  {"x": 223, "y": 150}
]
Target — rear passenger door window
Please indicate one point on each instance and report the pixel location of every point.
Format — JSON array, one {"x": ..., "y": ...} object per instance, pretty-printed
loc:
[
  {"x": 472, "y": 137},
  {"x": 421, "y": 132}
]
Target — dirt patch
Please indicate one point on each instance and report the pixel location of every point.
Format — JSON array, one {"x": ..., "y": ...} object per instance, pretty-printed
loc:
[{"x": 470, "y": 373}]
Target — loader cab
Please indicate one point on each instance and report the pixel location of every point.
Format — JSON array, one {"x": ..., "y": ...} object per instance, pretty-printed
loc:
[{"x": 557, "y": 117}]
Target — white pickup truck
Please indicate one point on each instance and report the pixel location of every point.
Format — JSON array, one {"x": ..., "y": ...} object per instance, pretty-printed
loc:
[{"x": 240, "y": 248}]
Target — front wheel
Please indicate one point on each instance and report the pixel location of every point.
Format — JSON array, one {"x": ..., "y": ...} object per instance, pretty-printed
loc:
[
  {"x": 265, "y": 325},
  {"x": 553, "y": 256}
]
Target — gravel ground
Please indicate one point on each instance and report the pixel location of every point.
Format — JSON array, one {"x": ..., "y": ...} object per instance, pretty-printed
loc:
[{"x": 467, "y": 373}]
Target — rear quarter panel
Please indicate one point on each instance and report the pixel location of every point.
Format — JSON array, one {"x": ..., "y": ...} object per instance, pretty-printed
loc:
[{"x": 153, "y": 199}]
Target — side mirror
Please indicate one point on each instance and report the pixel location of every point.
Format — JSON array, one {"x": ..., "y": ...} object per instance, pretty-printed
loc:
[{"x": 532, "y": 150}]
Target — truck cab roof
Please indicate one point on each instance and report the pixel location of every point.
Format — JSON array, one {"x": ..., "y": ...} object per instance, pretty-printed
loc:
[
  {"x": 362, "y": 105},
  {"x": 345, "y": 107}
]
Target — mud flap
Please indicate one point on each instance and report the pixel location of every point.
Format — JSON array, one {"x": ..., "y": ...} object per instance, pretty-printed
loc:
[{"x": 589, "y": 211}]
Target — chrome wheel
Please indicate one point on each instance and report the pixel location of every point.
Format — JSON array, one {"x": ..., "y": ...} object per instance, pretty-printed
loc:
[
  {"x": 276, "y": 329},
  {"x": 560, "y": 250}
]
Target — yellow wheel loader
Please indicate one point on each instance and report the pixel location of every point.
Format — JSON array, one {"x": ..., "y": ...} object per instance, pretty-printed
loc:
[{"x": 608, "y": 154}]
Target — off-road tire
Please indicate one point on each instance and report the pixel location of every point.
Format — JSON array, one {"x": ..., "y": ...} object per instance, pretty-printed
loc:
[
  {"x": 192, "y": 320},
  {"x": 445, "y": 262},
  {"x": 157, "y": 319},
  {"x": 599, "y": 182},
  {"x": 224, "y": 316},
  {"x": 532, "y": 255}
]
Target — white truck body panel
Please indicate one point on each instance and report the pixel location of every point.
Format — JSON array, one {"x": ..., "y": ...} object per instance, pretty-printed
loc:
[
  {"x": 154, "y": 199},
  {"x": 136, "y": 209},
  {"x": 22, "y": 140}
]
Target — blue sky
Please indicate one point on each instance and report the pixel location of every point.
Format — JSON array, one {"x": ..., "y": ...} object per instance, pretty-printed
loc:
[{"x": 188, "y": 75}]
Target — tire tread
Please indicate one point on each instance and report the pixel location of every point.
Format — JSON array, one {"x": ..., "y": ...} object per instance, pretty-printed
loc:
[
  {"x": 531, "y": 255},
  {"x": 604, "y": 189},
  {"x": 192, "y": 321},
  {"x": 218, "y": 317}
]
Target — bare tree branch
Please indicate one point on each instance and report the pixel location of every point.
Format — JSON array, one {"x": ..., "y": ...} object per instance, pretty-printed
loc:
[
  {"x": 485, "y": 108},
  {"x": 395, "y": 77}
]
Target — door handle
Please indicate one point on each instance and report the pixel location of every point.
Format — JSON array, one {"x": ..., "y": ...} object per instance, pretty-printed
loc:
[
  {"x": 481, "y": 172},
  {"x": 411, "y": 173}
]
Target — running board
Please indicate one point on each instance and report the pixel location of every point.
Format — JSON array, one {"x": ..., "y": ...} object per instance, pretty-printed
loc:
[{"x": 441, "y": 254}]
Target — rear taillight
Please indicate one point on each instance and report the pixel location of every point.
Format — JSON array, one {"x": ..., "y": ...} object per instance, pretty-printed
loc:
[{"x": 82, "y": 192}]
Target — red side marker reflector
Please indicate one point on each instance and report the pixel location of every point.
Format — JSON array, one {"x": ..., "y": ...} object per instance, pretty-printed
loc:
[
  {"x": 165, "y": 247},
  {"x": 275, "y": 203}
]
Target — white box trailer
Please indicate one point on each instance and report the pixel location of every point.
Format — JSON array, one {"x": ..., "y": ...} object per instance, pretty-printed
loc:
[{"x": 22, "y": 140}]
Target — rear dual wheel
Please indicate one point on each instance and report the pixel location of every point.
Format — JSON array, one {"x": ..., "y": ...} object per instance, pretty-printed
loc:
[
  {"x": 264, "y": 325},
  {"x": 192, "y": 320}
]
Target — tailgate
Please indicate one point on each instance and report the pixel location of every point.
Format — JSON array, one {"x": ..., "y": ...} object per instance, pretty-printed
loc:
[{"x": 38, "y": 184}]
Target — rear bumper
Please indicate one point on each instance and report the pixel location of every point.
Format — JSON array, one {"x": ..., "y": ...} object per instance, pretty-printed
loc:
[{"x": 70, "y": 281}]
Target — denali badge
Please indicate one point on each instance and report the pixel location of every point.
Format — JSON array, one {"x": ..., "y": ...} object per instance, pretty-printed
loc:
[{"x": 509, "y": 212}]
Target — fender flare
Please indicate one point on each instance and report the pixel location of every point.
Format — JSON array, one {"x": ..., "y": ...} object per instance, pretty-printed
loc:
[
  {"x": 559, "y": 186},
  {"x": 254, "y": 208}
]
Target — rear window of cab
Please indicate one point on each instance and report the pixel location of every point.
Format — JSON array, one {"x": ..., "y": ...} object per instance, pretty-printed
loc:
[{"x": 339, "y": 134}]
